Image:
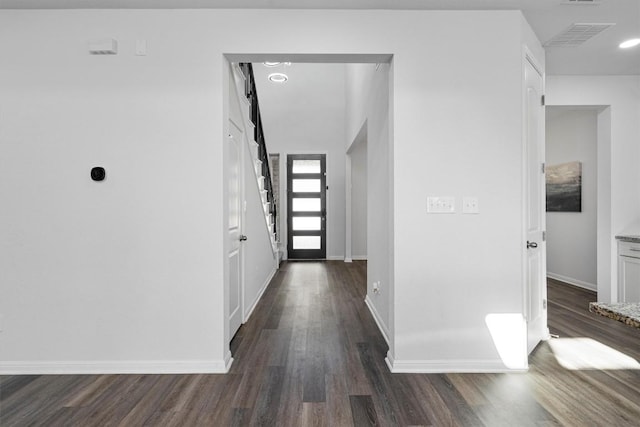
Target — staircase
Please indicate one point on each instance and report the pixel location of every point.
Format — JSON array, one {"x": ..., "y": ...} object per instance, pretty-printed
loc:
[{"x": 243, "y": 74}]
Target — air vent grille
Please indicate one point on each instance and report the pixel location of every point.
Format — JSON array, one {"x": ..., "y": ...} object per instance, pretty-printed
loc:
[{"x": 577, "y": 34}]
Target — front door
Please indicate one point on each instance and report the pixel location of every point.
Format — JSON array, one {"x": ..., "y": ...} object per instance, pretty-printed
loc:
[
  {"x": 306, "y": 206},
  {"x": 536, "y": 298},
  {"x": 234, "y": 233}
]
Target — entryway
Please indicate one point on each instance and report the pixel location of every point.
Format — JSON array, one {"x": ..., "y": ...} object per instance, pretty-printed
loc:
[{"x": 306, "y": 206}]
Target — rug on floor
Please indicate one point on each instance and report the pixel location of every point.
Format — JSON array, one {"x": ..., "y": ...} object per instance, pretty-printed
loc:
[{"x": 625, "y": 312}]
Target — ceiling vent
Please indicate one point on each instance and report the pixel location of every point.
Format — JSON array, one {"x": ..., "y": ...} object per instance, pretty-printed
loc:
[
  {"x": 582, "y": 2},
  {"x": 577, "y": 34}
]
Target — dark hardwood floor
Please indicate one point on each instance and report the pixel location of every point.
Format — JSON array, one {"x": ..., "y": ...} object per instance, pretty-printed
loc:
[{"x": 311, "y": 354}]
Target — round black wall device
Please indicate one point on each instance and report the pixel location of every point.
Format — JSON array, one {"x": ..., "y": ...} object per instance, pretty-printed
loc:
[{"x": 98, "y": 174}]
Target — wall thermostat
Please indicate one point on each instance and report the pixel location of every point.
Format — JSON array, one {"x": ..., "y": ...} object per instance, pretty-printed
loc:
[{"x": 98, "y": 174}]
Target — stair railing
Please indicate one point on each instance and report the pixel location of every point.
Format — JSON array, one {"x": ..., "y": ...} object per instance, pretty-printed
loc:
[{"x": 252, "y": 95}]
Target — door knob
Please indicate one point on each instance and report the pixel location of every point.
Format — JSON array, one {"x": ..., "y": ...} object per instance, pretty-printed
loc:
[
  {"x": 243, "y": 237},
  {"x": 531, "y": 245}
]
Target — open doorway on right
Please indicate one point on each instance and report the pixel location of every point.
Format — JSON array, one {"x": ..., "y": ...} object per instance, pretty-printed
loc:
[{"x": 572, "y": 197}]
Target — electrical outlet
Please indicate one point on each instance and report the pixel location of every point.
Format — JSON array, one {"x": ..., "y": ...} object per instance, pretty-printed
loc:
[{"x": 376, "y": 287}]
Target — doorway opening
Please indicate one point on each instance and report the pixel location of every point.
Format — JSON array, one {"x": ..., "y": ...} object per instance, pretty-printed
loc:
[
  {"x": 304, "y": 123},
  {"x": 572, "y": 213},
  {"x": 306, "y": 206}
]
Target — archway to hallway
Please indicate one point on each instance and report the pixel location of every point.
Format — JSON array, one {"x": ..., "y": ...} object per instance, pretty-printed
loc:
[{"x": 336, "y": 240}]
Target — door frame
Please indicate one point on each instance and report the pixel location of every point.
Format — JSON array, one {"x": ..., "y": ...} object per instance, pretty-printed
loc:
[
  {"x": 284, "y": 202},
  {"x": 606, "y": 246},
  {"x": 529, "y": 57},
  {"x": 307, "y": 57},
  {"x": 323, "y": 196}
]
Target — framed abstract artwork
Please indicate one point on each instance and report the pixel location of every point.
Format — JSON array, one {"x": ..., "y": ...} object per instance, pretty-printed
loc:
[{"x": 564, "y": 187}]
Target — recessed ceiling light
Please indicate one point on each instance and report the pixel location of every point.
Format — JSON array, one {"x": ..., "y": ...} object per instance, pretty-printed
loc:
[
  {"x": 278, "y": 77},
  {"x": 630, "y": 43},
  {"x": 271, "y": 64}
]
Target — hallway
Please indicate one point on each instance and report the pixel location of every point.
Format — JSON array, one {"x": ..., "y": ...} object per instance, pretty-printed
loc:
[{"x": 311, "y": 354}]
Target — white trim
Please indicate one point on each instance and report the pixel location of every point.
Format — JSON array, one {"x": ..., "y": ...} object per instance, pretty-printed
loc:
[
  {"x": 572, "y": 281},
  {"x": 535, "y": 63},
  {"x": 348, "y": 259},
  {"x": 447, "y": 366},
  {"x": 80, "y": 367},
  {"x": 376, "y": 316},
  {"x": 264, "y": 287},
  {"x": 389, "y": 360},
  {"x": 359, "y": 257},
  {"x": 228, "y": 361},
  {"x": 335, "y": 258},
  {"x": 348, "y": 235}
]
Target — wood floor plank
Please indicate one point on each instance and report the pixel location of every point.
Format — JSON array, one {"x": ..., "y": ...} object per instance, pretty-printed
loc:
[
  {"x": 13, "y": 384},
  {"x": 266, "y": 408},
  {"x": 313, "y": 414},
  {"x": 338, "y": 408},
  {"x": 363, "y": 410},
  {"x": 311, "y": 354}
]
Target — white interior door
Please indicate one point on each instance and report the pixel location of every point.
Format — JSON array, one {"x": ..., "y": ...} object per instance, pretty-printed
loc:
[
  {"x": 235, "y": 174},
  {"x": 536, "y": 294}
]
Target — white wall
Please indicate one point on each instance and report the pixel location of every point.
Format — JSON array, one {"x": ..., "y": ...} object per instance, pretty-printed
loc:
[
  {"x": 368, "y": 123},
  {"x": 359, "y": 201},
  {"x": 118, "y": 275},
  {"x": 306, "y": 115},
  {"x": 132, "y": 270},
  {"x": 258, "y": 258},
  {"x": 618, "y": 154},
  {"x": 571, "y": 135},
  {"x": 451, "y": 271},
  {"x": 359, "y": 85},
  {"x": 259, "y": 262}
]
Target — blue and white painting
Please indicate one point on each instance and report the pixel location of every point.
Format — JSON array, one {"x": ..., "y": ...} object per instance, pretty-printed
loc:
[{"x": 564, "y": 187}]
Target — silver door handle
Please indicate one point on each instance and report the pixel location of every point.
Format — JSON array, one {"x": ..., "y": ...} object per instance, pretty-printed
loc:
[
  {"x": 531, "y": 245},
  {"x": 243, "y": 237}
]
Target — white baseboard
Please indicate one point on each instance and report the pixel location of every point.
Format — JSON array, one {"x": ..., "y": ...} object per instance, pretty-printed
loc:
[
  {"x": 263, "y": 288},
  {"x": 335, "y": 258},
  {"x": 356, "y": 258},
  {"x": 228, "y": 361},
  {"x": 81, "y": 367},
  {"x": 376, "y": 316},
  {"x": 574, "y": 282},
  {"x": 446, "y": 366}
]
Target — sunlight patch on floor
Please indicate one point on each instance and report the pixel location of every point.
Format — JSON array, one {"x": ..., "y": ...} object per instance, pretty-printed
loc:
[
  {"x": 509, "y": 334},
  {"x": 587, "y": 354}
]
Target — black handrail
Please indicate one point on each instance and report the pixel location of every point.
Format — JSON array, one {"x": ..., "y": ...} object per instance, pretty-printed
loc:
[{"x": 252, "y": 95}]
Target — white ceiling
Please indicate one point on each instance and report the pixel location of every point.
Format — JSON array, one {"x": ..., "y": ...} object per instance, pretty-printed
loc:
[{"x": 598, "y": 56}]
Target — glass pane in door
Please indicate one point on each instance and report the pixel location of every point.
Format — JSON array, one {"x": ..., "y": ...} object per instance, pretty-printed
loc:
[
  {"x": 306, "y": 205},
  {"x": 306, "y": 242},
  {"x": 306, "y": 223},
  {"x": 306, "y": 185},
  {"x": 306, "y": 166}
]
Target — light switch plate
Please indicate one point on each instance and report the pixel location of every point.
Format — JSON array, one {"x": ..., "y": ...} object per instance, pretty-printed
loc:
[
  {"x": 470, "y": 205},
  {"x": 436, "y": 204},
  {"x": 103, "y": 47}
]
